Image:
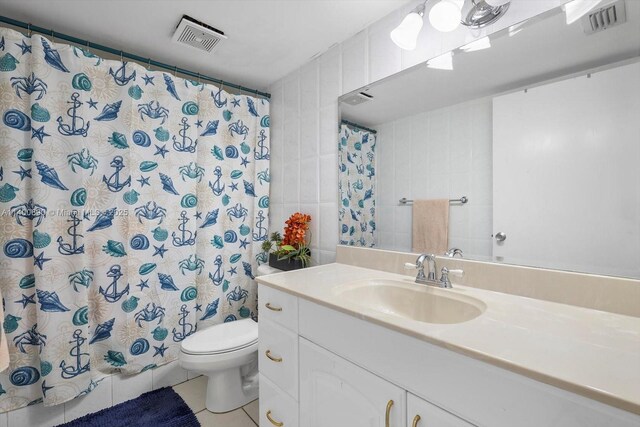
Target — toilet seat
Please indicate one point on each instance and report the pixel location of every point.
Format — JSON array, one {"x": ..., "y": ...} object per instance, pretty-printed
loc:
[{"x": 220, "y": 339}]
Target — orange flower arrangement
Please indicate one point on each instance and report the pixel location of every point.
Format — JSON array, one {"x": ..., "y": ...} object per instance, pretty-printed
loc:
[
  {"x": 296, "y": 229},
  {"x": 292, "y": 251}
]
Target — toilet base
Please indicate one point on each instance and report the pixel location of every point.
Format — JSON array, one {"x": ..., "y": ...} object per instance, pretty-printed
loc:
[
  {"x": 232, "y": 376},
  {"x": 229, "y": 389}
]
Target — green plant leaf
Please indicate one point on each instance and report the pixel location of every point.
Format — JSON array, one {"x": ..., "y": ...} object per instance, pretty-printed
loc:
[{"x": 287, "y": 248}]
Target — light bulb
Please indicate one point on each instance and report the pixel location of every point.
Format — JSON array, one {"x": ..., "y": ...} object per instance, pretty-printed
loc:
[
  {"x": 405, "y": 35},
  {"x": 576, "y": 9},
  {"x": 496, "y": 3},
  {"x": 445, "y": 16}
]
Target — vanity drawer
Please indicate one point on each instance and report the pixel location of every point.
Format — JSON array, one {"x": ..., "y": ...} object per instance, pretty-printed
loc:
[
  {"x": 278, "y": 356},
  {"x": 276, "y": 406},
  {"x": 279, "y": 307},
  {"x": 421, "y": 413}
]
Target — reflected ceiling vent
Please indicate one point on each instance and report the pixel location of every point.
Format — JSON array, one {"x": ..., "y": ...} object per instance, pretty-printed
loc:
[
  {"x": 604, "y": 17},
  {"x": 197, "y": 34},
  {"x": 357, "y": 98}
]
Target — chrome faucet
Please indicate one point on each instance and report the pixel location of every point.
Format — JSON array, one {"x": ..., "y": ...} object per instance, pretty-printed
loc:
[{"x": 430, "y": 277}]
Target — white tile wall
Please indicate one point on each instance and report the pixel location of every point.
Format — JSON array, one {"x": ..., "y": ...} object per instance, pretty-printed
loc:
[
  {"x": 444, "y": 153},
  {"x": 304, "y": 145},
  {"x": 168, "y": 375},
  {"x": 100, "y": 398},
  {"x": 129, "y": 387},
  {"x": 354, "y": 60},
  {"x": 36, "y": 416},
  {"x": 305, "y": 117}
]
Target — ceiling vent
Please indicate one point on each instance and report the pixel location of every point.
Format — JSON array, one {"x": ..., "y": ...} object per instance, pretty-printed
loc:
[
  {"x": 357, "y": 98},
  {"x": 197, "y": 34},
  {"x": 604, "y": 17}
]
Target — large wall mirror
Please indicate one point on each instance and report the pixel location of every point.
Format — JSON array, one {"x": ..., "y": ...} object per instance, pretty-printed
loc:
[{"x": 532, "y": 133}]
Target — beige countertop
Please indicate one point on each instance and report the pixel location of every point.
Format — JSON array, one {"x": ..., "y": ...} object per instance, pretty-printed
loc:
[{"x": 592, "y": 353}]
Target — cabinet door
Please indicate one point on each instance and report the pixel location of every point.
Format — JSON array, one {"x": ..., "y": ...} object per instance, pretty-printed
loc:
[
  {"x": 337, "y": 393},
  {"x": 421, "y": 413}
]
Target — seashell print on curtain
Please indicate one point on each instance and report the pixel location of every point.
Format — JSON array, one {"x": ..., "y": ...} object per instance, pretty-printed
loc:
[
  {"x": 356, "y": 185},
  {"x": 132, "y": 209}
]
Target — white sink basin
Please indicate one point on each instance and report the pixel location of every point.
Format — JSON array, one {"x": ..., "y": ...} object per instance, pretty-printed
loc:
[{"x": 411, "y": 301}]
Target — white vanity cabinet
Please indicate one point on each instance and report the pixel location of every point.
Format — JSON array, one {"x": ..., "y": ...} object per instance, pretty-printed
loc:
[
  {"x": 421, "y": 413},
  {"x": 320, "y": 367},
  {"x": 334, "y": 392}
]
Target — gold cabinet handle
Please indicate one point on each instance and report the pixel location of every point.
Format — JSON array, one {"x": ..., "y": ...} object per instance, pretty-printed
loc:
[
  {"x": 415, "y": 421},
  {"x": 272, "y": 421},
  {"x": 272, "y": 308},
  {"x": 275, "y": 359},
  {"x": 387, "y": 415}
]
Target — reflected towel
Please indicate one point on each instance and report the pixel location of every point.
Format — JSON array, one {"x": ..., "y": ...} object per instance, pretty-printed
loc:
[
  {"x": 4, "y": 347},
  {"x": 431, "y": 226}
]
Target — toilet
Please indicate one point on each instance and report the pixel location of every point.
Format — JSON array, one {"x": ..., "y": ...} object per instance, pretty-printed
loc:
[{"x": 228, "y": 355}]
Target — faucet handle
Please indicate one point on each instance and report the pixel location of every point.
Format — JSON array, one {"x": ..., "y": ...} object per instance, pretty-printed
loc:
[
  {"x": 444, "y": 276},
  {"x": 410, "y": 266}
]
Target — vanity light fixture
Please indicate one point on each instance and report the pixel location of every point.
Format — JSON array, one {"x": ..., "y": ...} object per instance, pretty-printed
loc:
[
  {"x": 446, "y": 16},
  {"x": 405, "y": 35},
  {"x": 480, "y": 13}
]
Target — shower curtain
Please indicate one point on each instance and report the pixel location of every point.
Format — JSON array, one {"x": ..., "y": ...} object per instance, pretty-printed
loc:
[
  {"x": 133, "y": 204},
  {"x": 356, "y": 185}
]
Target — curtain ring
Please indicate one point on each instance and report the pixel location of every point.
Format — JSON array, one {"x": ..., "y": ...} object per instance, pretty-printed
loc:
[
  {"x": 88, "y": 47},
  {"x": 121, "y": 57},
  {"x": 175, "y": 71},
  {"x": 53, "y": 37},
  {"x": 198, "y": 79},
  {"x": 149, "y": 64},
  {"x": 29, "y": 32}
]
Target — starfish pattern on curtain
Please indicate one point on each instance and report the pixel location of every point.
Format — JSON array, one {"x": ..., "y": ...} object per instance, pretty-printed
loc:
[{"x": 133, "y": 204}]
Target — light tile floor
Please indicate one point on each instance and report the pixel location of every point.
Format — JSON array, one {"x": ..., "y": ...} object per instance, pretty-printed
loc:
[{"x": 193, "y": 392}]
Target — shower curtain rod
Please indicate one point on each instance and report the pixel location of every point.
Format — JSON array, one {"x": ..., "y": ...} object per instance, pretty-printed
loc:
[
  {"x": 85, "y": 43},
  {"x": 355, "y": 125}
]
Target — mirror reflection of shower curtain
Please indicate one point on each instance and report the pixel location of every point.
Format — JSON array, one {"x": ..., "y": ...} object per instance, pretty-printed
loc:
[
  {"x": 133, "y": 204},
  {"x": 356, "y": 185}
]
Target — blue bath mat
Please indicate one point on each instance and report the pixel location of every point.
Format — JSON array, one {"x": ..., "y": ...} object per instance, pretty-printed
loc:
[{"x": 159, "y": 408}]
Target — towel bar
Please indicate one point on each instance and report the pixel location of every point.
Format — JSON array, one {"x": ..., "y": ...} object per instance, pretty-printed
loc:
[{"x": 462, "y": 200}]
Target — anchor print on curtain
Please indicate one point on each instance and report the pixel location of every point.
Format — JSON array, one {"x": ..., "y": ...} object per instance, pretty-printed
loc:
[
  {"x": 356, "y": 185},
  {"x": 132, "y": 209}
]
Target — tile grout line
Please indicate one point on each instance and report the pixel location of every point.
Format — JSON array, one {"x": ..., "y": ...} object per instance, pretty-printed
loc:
[
  {"x": 242, "y": 408},
  {"x": 245, "y": 411}
]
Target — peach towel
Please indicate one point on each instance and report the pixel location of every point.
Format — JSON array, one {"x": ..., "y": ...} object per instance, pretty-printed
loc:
[
  {"x": 4, "y": 347},
  {"x": 431, "y": 226}
]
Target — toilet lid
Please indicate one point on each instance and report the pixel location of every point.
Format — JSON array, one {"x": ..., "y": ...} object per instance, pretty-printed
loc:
[{"x": 222, "y": 338}]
